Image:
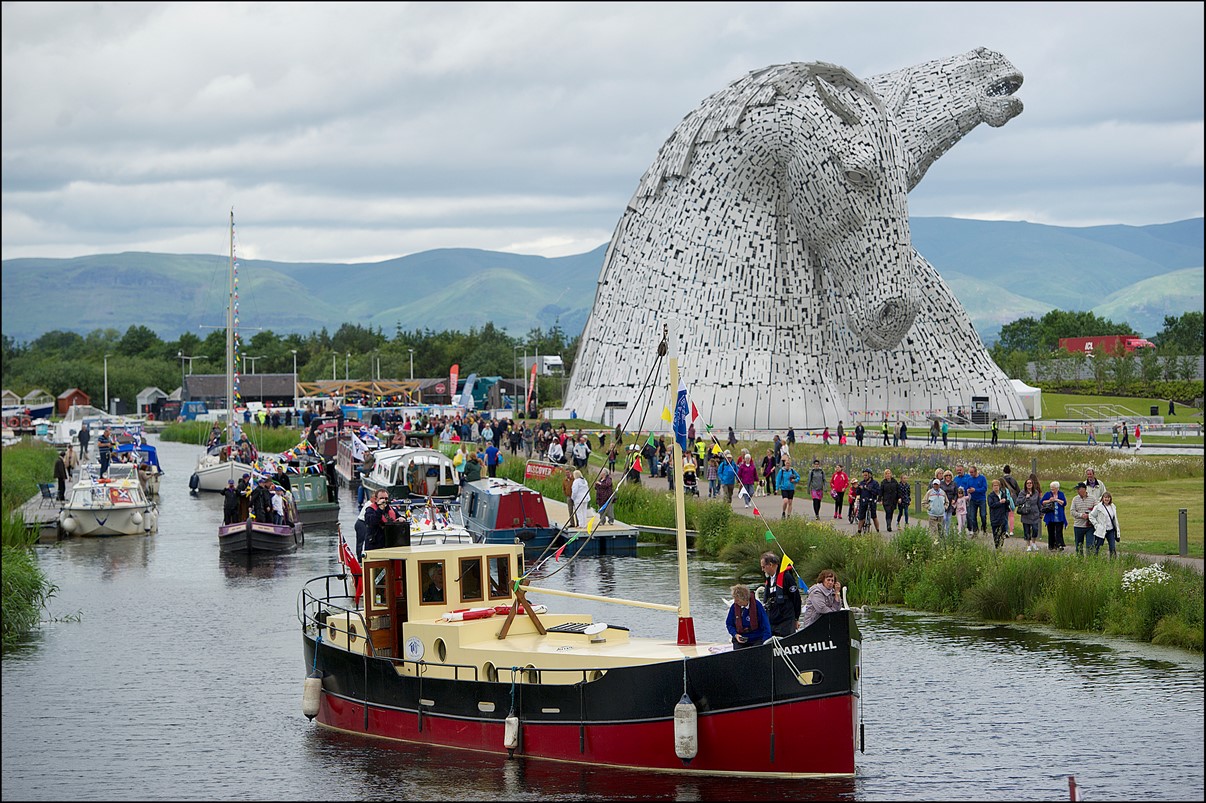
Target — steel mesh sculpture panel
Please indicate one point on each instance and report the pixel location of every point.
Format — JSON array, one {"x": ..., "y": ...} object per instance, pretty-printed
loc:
[{"x": 772, "y": 234}]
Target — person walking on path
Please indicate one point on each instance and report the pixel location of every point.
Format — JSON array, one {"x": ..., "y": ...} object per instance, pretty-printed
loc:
[
  {"x": 1105, "y": 525},
  {"x": 1011, "y": 484},
  {"x": 747, "y": 475},
  {"x": 1138, "y": 436},
  {"x": 946, "y": 429},
  {"x": 904, "y": 498},
  {"x": 838, "y": 484},
  {"x": 998, "y": 512},
  {"x": 889, "y": 492},
  {"x": 1028, "y": 502},
  {"x": 71, "y": 460},
  {"x": 859, "y": 432},
  {"x": 726, "y": 472},
  {"x": 977, "y": 494},
  {"x": 816, "y": 487},
  {"x": 1126, "y": 437},
  {"x": 85, "y": 436},
  {"x": 1054, "y": 516},
  {"x": 1078, "y": 513},
  {"x": 786, "y": 478},
  {"x": 936, "y": 507}
]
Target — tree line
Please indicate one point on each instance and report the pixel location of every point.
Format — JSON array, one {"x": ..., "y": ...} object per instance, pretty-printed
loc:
[{"x": 139, "y": 358}]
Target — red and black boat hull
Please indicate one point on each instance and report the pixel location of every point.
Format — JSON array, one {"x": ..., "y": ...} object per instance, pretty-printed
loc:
[{"x": 754, "y": 716}]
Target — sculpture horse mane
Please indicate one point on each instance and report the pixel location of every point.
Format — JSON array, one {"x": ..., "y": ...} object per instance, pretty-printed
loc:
[{"x": 772, "y": 231}]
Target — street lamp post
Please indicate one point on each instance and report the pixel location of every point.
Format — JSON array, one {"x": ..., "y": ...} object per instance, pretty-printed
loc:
[
  {"x": 333, "y": 356},
  {"x": 184, "y": 357},
  {"x": 347, "y": 356},
  {"x": 247, "y": 358},
  {"x": 294, "y": 379},
  {"x": 412, "y": 363},
  {"x": 106, "y": 383}
]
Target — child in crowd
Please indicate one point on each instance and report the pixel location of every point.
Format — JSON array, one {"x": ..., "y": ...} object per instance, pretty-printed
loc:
[
  {"x": 713, "y": 477},
  {"x": 961, "y": 509}
]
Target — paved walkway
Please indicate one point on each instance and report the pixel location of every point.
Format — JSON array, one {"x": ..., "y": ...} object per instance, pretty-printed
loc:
[{"x": 771, "y": 508}]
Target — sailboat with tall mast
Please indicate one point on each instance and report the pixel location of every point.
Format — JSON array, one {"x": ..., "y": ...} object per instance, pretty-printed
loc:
[
  {"x": 442, "y": 644},
  {"x": 220, "y": 462}
]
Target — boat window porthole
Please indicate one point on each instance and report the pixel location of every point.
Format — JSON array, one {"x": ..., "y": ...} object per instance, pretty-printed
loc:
[
  {"x": 490, "y": 672},
  {"x": 332, "y": 631},
  {"x": 441, "y": 649}
]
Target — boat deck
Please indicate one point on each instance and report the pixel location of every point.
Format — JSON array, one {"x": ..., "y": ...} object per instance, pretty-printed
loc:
[{"x": 558, "y": 513}]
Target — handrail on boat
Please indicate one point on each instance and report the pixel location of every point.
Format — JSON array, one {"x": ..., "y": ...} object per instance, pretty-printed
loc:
[{"x": 308, "y": 599}]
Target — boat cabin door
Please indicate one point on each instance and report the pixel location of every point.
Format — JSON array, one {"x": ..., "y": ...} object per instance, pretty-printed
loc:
[{"x": 385, "y": 604}]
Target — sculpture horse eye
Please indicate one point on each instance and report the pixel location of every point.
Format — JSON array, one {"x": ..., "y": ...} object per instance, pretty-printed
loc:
[{"x": 858, "y": 177}]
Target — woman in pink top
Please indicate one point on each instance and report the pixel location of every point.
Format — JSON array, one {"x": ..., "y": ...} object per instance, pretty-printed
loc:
[{"x": 837, "y": 489}]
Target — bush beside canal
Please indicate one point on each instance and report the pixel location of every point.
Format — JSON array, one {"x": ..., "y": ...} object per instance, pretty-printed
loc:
[{"x": 25, "y": 588}]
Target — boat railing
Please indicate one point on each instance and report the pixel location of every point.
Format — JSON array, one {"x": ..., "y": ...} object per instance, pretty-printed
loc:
[{"x": 315, "y": 606}]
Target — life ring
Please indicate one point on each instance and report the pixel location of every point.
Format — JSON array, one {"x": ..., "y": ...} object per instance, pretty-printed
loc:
[
  {"x": 13, "y": 422},
  {"x": 465, "y": 616},
  {"x": 26, "y": 421},
  {"x": 104, "y": 480}
]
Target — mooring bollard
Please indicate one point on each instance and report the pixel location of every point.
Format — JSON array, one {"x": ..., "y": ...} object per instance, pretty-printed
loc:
[{"x": 1183, "y": 534}]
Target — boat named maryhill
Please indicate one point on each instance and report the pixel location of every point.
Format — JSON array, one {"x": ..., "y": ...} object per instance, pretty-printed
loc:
[{"x": 456, "y": 644}]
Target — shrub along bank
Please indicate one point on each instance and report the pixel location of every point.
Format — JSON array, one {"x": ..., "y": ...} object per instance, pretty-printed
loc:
[{"x": 25, "y": 588}]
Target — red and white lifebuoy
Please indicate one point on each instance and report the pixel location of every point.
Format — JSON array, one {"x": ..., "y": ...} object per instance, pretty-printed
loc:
[
  {"x": 13, "y": 421},
  {"x": 467, "y": 615},
  {"x": 26, "y": 421}
]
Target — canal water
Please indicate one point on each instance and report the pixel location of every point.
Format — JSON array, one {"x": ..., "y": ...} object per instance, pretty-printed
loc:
[{"x": 169, "y": 672}]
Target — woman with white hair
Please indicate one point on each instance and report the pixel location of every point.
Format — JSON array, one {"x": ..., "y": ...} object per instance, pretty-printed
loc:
[
  {"x": 1052, "y": 505},
  {"x": 579, "y": 499}
]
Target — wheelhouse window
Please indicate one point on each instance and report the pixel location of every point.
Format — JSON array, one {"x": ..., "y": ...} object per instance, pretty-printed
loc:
[
  {"x": 471, "y": 579},
  {"x": 500, "y": 576},
  {"x": 431, "y": 574}
]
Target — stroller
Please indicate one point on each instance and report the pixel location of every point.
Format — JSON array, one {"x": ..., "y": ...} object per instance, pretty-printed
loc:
[{"x": 690, "y": 483}]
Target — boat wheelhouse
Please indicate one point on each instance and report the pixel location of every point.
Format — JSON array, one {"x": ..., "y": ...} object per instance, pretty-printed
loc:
[{"x": 412, "y": 471}]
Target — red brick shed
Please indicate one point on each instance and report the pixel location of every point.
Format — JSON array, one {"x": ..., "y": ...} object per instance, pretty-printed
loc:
[{"x": 70, "y": 397}]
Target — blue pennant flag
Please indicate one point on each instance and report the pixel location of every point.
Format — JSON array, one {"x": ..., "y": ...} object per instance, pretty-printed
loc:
[{"x": 680, "y": 416}]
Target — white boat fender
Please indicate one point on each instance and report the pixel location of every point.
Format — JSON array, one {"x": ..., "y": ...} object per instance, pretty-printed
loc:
[
  {"x": 136, "y": 517},
  {"x": 69, "y": 524},
  {"x": 511, "y": 732},
  {"x": 311, "y": 693},
  {"x": 686, "y": 729}
]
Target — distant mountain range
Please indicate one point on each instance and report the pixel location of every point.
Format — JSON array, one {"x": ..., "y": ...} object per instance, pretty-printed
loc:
[{"x": 1000, "y": 270}]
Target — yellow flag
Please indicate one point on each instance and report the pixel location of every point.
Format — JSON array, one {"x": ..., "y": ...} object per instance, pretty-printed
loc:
[
  {"x": 666, "y": 414},
  {"x": 592, "y": 524},
  {"x": 785, "y": 564}
]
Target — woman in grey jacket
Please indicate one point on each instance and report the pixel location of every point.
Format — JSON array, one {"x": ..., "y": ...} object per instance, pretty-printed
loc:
[
  {"x": 816, "y": 487},
  {"x": 1030, "y": 514}
]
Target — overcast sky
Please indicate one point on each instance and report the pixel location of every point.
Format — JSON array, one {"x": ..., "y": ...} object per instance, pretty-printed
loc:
[{"x": 350, "y": 133}]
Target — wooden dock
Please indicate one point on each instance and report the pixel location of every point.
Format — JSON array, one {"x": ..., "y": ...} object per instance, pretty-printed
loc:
[{"x": 42, "y": 516}]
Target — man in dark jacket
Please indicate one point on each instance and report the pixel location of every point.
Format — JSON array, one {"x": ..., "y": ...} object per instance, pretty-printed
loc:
[
  {"x": 60, "y": 474},
  {"x": 889, "y": 491},
  {"x": 782, "y": 593},
  {"x": 261, "y": 500},
  {"x": 230, "y": 503},
  {"x": 868, "y": 496}
]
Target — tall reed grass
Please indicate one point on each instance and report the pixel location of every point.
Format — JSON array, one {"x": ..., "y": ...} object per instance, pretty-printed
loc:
[{"x": 25, "y": 587}]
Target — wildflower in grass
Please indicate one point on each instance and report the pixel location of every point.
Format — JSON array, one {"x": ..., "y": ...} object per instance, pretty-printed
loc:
[{"x": 1138, "y": 579}]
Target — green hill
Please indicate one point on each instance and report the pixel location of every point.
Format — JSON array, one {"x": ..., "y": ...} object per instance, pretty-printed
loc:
[{"x": 1000, "y": 271}]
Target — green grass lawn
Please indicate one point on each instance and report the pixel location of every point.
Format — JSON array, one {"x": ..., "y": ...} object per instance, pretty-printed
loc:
[{"x": 1055, "y": 405}]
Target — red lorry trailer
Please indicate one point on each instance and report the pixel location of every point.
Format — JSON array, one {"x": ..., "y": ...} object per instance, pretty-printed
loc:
[{"x": 1105, "y": 344}]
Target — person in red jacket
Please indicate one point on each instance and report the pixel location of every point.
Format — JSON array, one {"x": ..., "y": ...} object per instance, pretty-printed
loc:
[{"x": 837, "y": 489}]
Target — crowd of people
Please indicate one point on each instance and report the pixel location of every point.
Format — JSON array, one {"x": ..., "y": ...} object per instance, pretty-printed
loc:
[{"x": 779, "y": 607}]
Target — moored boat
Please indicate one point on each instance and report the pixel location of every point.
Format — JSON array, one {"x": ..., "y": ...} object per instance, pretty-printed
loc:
[
  {"x": 103, "y": 506},
  {"x": 412, "y": 471},
  {"x": 444, "y": 645}
]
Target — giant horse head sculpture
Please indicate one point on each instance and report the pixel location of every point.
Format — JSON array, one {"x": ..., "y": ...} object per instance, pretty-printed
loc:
[{"x": 773, "y": 224}]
